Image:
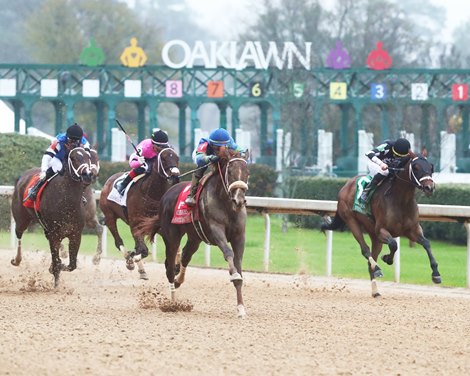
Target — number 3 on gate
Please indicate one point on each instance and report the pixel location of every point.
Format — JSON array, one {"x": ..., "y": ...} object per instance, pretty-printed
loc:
[{"x": 378, "y": 91}]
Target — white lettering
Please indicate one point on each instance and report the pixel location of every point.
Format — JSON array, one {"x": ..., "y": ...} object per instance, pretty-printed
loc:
[
  {"x": 166, "y": 54},
  {"x": 249, "y": 53},
  {"x": 225, "y": 54}
]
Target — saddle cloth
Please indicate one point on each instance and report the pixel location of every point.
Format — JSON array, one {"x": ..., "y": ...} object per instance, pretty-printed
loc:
[
  {"x": 358, "y": 205},
  {"x": 114, "y": 194},
  {"x": 33, "y": 204},
  {"x": 182, "y": 212}
]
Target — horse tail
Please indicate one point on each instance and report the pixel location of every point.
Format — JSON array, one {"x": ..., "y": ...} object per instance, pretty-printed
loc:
[
  {"x": 336, "y": 224},
  {"x": 148, "y": 227}
]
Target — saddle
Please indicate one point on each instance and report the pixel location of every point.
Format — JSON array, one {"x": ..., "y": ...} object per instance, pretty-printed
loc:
[
  {"x": 34, "y": 204},
  {"x": 358, "y": 205}
]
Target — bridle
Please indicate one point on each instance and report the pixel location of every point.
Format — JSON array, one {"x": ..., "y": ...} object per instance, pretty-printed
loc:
[
  {"x": 161, "y": 168},
  {"x": 237, "y": 184},
  {"x": 414, "y": 179},
  {"x": 77, "y": 172}
]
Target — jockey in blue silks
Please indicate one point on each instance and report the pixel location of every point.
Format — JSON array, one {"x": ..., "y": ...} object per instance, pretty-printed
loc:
[
  {"x": 52, "y": 160},
  {"x": 207, "y": 152}
]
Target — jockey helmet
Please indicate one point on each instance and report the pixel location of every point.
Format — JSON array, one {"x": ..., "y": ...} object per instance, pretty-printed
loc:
[
  {"x": 159, "y": 138},
  {"x": 219, "y": 137},
  {"x": 74, "y": 132},
  {"x": 401, "y": 147}
]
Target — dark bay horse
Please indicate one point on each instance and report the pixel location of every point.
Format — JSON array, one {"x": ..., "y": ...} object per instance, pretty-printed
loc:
[
  {"x": 60, "y": 213},
  {"x": 89, "y": 210},
  {"x": 143, "y": 200},
  {"x": 222, "y": 220},
  {"x": 394, "y": 213}
]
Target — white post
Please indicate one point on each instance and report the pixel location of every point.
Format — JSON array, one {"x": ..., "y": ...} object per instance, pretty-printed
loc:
[
  {"x": 154, "y": 248},
  {"x": 329, "y": 252},
  {"x": 279, "y": 149},
  {"x": 267, "y": 240},
  {"x": 366, "y": 141},
  {"x": 396, "y": 261},
  {"x": 207, "y": 255},
  {"x": 467, "y": 226},
  {"x": 12, "y": 229},
  {"x": 118, "y": 145},
  {"x": 325, "y": 151}
]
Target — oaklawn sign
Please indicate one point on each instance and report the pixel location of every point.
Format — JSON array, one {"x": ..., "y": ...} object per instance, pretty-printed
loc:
[{"x": 235, "y": 55}]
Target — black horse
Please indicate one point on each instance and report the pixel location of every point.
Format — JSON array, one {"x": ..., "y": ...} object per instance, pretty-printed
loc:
[
  {"x": 59, "y": 211},
  {"x": 221, "y": 220},
  {"x": 393, "y": 213}
]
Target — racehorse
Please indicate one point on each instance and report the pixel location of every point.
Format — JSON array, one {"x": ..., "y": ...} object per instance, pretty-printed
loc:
[
  {"x": 59, "y": 211},
  {"x": 89, "y": 208},
  {"x": 143, "y": 199},
  {"x": 393, "y": 213},
  {"x": 221, "y": 219}
]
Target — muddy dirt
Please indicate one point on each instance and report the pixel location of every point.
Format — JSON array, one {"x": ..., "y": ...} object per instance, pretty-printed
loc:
[{"x": 104, "y": 321}]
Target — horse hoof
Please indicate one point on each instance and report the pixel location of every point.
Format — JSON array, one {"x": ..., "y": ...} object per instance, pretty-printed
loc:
[
  {"x": 235, "y": 277},
  {"x": 130, "y": 264},
  {"x": 387, "y": 259},
  {"x": 14, "y": 263},
  {"x": 143, "y": 275},
  {"x": 241, "y": 313},
  {"x": 436, "y": 279},
  {"x": 376, "y": 295},
  {"x": 378, "y": 273},
  {"x": 96, "y": 260}
]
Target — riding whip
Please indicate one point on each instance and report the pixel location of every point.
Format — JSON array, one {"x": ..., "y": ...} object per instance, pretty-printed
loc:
[{"x": 127, "y": 136}]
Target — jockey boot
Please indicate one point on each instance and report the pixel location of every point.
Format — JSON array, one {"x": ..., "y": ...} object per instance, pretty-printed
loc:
[
  {"x": 372, "y": 185},
  {"x": 33, "y": 191},
  {"x": 191, "y": 199},
  {"x": 121, "y": 186}
]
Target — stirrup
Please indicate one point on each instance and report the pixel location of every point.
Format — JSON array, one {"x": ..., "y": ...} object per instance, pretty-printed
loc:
[{"x": 31, "y": 195}]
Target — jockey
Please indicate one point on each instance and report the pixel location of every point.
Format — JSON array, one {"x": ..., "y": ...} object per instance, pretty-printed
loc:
[
  {"x": 380, "y": 158},
  {"x": 208, "y": 152},
  {"x": 52, "y": 160},
  {"x": 146, "y": 150}
]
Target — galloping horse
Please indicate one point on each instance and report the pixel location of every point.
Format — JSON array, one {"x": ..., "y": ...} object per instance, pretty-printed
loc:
[
  {"x": 59, "y": 211},
  {"x": 221, "y": 219},
  {"x": 393, "y": 213},
  {"x": 143, "y": 199},
  {"x": 89, "y": 210}
]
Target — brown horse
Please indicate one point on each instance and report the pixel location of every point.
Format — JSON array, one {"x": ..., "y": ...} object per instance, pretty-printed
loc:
[
  {"x": 143, "y": 200},
  {"x": 222, "y": 219},
  {"x": 393, "y": 213},
  {"x": 60, "y": 212},
  {"x": 89, "y": 210}
]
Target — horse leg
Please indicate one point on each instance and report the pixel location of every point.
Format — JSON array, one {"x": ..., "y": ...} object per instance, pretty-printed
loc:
[
  {"x": 171, "y": 249},
  {"x": 19, "y": 230},
  {"x": 191, "y": 246},
  {"x": 112, "y": 226},
  {"x": 386, "y": 238},
  {"x": 436, "y": 277},
  {"x": 374, "y": 269},
  {"x": 56, "y": 264},
  {"x": 141, "y": 251},
  {"x": 74, "y": 246},
  {"x": 99, "y": 248},
  {"x": 238, "y": 246}
]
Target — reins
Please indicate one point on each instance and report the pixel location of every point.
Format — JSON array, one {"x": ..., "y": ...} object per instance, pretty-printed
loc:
[
  {"x": 76, "y": 173},
  {"x": 412, "y": 179}
]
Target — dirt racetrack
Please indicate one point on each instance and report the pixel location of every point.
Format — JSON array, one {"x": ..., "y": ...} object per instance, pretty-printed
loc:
[{"x": 103, "y": 321}]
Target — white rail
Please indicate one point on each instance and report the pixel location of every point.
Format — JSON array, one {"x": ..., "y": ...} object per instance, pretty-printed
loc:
[{"x": 268, "y": 205}]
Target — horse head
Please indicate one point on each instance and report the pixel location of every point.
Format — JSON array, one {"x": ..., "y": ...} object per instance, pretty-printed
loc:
[
  {"x": 420, "y": 174},
  {"x": 79, "y": 165},
  {"x": 234, "y": 167},
  {"x": 167, "y": 164}
]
